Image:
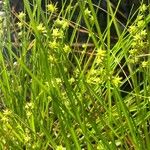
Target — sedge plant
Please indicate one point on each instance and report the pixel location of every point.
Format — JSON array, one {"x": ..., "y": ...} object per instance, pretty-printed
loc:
[{"x": 55, "y": 95}]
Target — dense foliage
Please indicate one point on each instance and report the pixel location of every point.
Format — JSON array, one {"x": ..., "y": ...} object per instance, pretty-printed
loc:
[{"x": 68, "y": 82}]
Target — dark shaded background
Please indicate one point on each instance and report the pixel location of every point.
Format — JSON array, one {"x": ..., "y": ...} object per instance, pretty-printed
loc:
[{"x": 126, "y": 8}]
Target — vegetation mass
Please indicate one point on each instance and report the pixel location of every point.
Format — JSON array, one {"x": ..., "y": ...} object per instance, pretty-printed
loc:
[{"x": 58, "y": 93}]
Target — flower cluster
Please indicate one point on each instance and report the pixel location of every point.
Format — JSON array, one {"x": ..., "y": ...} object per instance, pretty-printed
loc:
[
  {"x": 21, "y": 24},
  {"x": 41, "y": 28},
  {"x": 89, "y": 15},
  {"x": 100, "y": 55},
  {"x": 6, "y": 124},
  {"x": 61, "y": 23},
  {"x": 29, "y": 108},
  {"x": 139, "y": 34},
  {"x": 60, "y": 148},
  {"x": 6, "y": 116},
  {"x": 116, "y": 81},
  {"x": 58, "y": 29},
  {"x": 51, "y": 8},
  {"x": 56, "y": 44},
  {"x": 96, "y": 76},
  {"x": 21, "y": 17},
  {"x": 97, "y": 72}
]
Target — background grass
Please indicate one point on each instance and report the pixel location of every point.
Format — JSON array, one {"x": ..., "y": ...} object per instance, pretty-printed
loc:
[{"x": 56, "y": 95}]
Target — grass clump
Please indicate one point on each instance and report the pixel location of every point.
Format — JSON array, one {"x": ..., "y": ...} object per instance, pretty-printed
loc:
[{"x": 58, "y": 93}]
